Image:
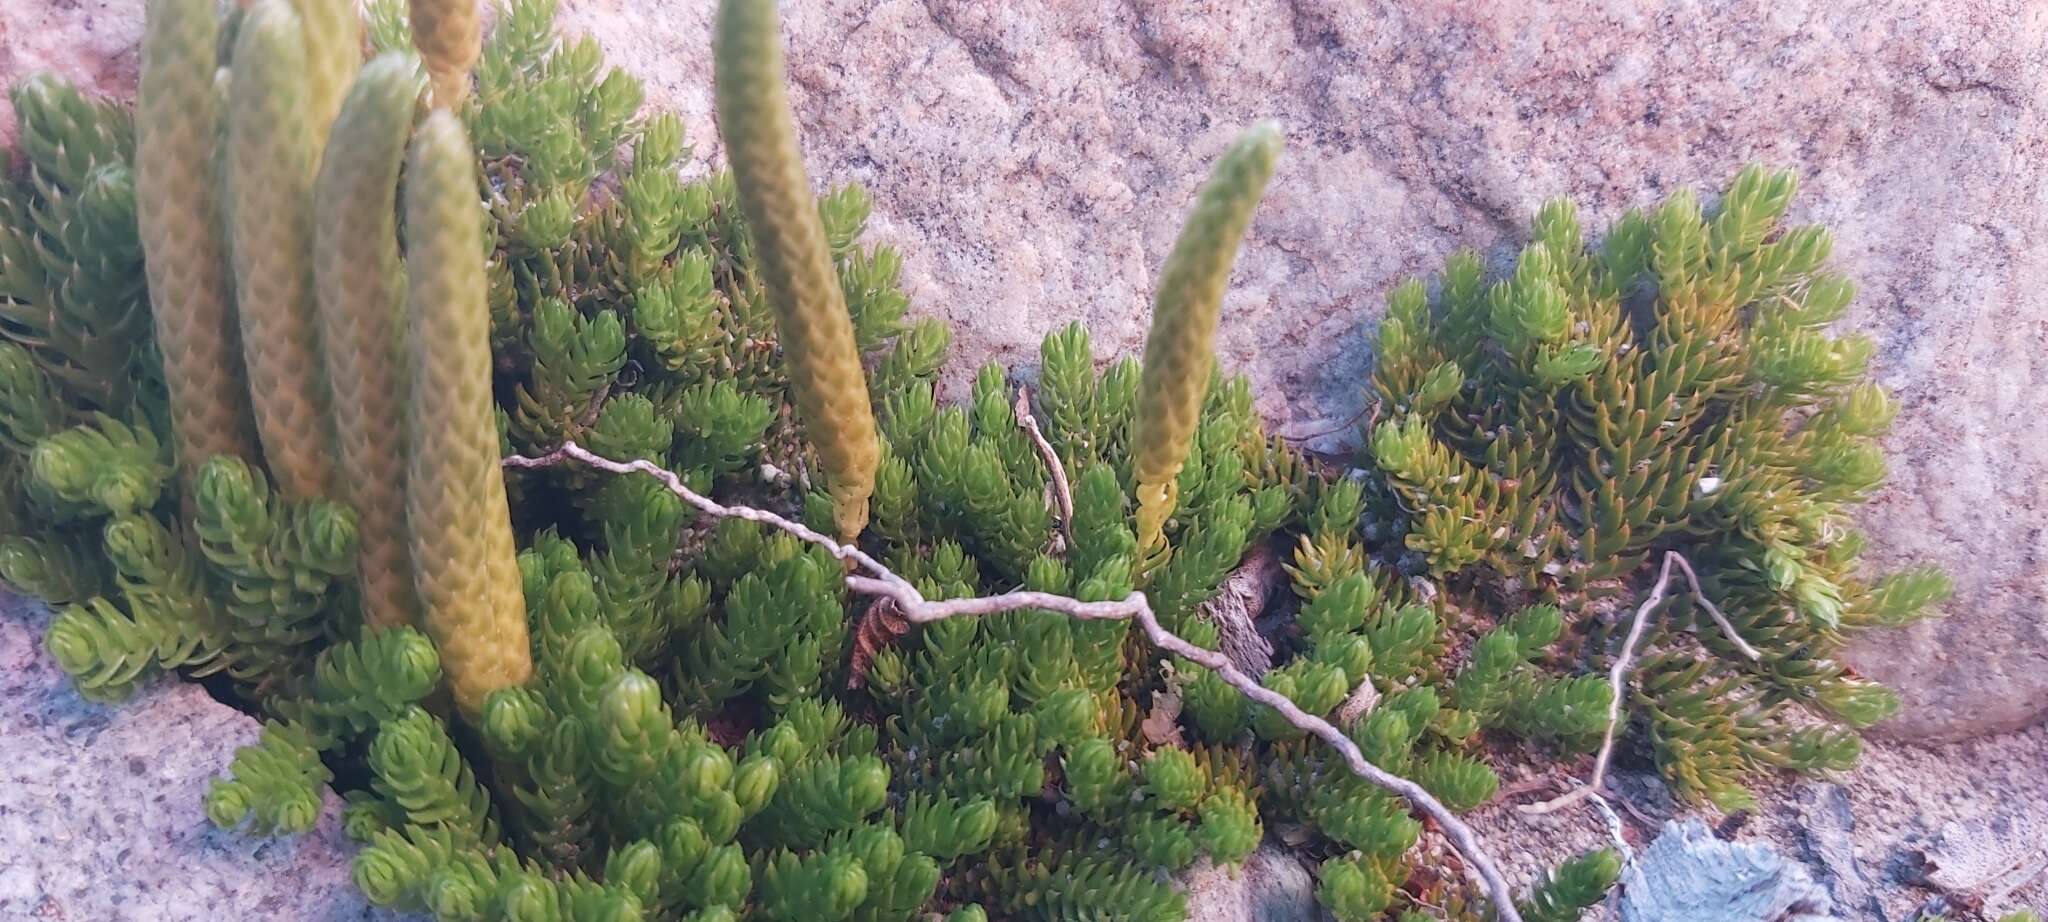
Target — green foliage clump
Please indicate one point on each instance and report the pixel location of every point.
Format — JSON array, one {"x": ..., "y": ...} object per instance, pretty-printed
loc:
[
  {"x": 1573, "y": 888},
  {"x": 1550, "y": 436},
  {"x": 274, "y": 785},
  {"x": 70, "y": 257}
]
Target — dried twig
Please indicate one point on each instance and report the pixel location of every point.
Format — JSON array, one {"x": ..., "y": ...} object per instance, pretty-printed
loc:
[
  {"x": 1529, "y": 785},
  {"x": 1614, "y": 832},
  {"x": 1617, "y": 677},
  {"x": 588, "y": 417},
  {"x": 1062, "y": 491},
  {"x": 2025, "y": 876},
  {"x": 1637, "y": 813},
  {"x": 880, "y": 581},
  {"x": 1699, "y": 594},
  {"x": 1372, "y": 408}
]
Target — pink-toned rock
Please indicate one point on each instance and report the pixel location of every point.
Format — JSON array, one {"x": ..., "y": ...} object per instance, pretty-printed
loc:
[
  {"x": 90, "y": 42},
  {"x": 101, "y": 813},
  {"x": 1271, "y": 886},
  {"x": 1033, "y": 161}
]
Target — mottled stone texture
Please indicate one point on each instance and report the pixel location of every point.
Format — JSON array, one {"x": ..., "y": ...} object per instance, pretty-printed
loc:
[
  {"x": 1271, "y": 886},
  {"x": 1033, "y": 162},
  {"x": 1688, "y": 875},
  {"x": 100, "y": 807},
  {"x": 92, "y": 42}
]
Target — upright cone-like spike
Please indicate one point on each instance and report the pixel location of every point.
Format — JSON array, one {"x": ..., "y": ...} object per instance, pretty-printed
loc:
[
  {"x": 1180, "y": 350},
  {"x": 270, "y": 181},
  {"x": 177, "y": 124},
  {"x": 796, "y": 268},
  {"x": 334, "y": 53},
  {"x": 360, "y": 285},
  {"x": 456, "y": 511},
  {"x": 450, "y": 37}
]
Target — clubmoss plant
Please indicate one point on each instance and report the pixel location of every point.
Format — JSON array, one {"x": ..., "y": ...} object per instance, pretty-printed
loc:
[
  {"x": 449, "y": 35},
  {"x": 556, "y": 693},
  {"x": 1180, "y": 350},
  {"x": 334, "y": 52},
  {"x": 361, "y": 286},
  {"x": 272, "y": 152},
  {"x": 1675, "y": 390},
  {"x": 178, "y": 204},
  {"x": 455, "y": 506},
  {"x": 795, "y": 263}
]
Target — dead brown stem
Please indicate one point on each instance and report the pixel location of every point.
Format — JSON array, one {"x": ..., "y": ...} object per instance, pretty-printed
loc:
[{"x": 1062, "y": 491}]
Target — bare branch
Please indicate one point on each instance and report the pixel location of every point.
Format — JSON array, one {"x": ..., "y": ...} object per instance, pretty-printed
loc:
[
  {"x": 1461, "y": 835},
  {"x": 1614, "y": 833},
  {"x": 1699, "y": 595},
  {"x": 880, "y": 581},
  {"x": 570, "y": 450},
  {"x": 1062, "y": 491},
  {"x": 2024, "y": 877},
  {"x": 1372, "y": 408},
  {"x": 1617, "y": 677}
]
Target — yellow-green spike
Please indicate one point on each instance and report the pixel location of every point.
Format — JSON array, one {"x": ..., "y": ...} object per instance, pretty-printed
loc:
[
  {"x": 334, "y": 52},
  {"x": 450, "y": 36},
  {"x": 360, "y": 286},
  {"x": 795, "y": 265},
  {"x": 177, "y": 124},
  {"x": 1180, "y": 349},
  {"x": 270, "y": 184},
  {"x": 456, "y": 511}
]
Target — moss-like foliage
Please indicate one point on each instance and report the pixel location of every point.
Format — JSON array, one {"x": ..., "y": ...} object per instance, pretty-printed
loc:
[
  {"x": 1548, "y": 436},
  {"x": 559, "y": 694},
  {"x": 1573, "y": 888}
]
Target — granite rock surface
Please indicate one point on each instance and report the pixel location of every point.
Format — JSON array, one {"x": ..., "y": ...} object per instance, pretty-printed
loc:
[
  {"x": 1271, "y": 886},
  {"x": 1033, "y": 161},
  {"x": 101, "y": 817}
]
